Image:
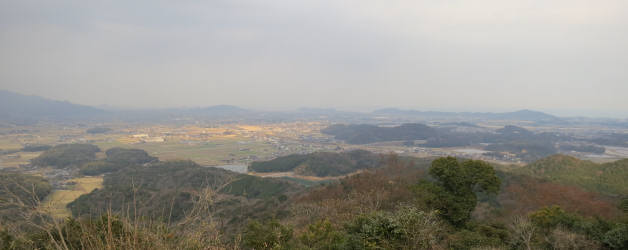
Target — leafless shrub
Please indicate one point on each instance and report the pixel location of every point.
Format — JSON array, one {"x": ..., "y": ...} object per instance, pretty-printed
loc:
[{"x": 523, "y": 232}]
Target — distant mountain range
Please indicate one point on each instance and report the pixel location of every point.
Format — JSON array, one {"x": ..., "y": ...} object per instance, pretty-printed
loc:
[
  {"x": 521, "y": 115},
  {"x": 24, "y": 109}
]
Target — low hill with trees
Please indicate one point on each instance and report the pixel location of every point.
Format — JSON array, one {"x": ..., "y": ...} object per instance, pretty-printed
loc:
[
  {"x": 525, "y": 144},
  {"x": 168, "y": 190},
  {"x": 67, "y": 155},
  {"x": 320, "y": 164},
  {"x": 608, "y": 178},
  {"x": 363, "y": 134},
  {"x": 406, "y": 203}
]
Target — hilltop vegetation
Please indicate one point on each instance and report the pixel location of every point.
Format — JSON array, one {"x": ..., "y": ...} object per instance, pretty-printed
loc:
[
  {"x": 447, "y": 203},
  {"x": 83, "y": 158},
  {"x": 383, "y": 197},
  {"x": 98, "y": 130},
  {"x": 363, "y": 134},
  {"x": 320, "y": 163},
  {"x": 609, "y": 178},
  {"x": 168, "y": 189},
  {"x": 128, "y": 156},
  {"x": 67, "y": 155},
  {"x": 395, "y": 203}
]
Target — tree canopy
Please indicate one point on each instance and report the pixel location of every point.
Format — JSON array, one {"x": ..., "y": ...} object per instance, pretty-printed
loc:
[{"x": 454, "y": 192}]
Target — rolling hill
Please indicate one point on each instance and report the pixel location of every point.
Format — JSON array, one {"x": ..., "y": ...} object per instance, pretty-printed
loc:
[
  {"x": 320, "y": 164},
  {"x": 364, "y": 133},
  {"x": 608, "y": 178},
  {"x": 169, "y": 189}
]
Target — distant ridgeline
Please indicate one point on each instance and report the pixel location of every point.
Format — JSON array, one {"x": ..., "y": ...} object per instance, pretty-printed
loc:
[
  {"x": 23, "y": 109},
  {"x": 527, "y": 145},
  {"x": 320, "y": 164}
]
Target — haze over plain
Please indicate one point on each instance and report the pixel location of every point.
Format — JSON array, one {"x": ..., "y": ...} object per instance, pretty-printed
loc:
[{"x": 566, "y": 57}]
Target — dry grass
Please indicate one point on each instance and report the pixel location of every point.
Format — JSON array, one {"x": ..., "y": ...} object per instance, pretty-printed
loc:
[
  {"x": 56, "y": 202},
  {"x": 197, "y": 230}
]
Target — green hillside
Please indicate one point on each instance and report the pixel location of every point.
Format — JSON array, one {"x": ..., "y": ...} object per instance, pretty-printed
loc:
[
  {"x": 321, "y": 163},
  {"x": 168, "y": 189},
  {"x": 67, "y": 155},
  {"x": 609, "y": 178}
]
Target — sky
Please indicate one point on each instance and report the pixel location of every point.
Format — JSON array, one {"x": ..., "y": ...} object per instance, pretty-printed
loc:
[{"x": 563, "y": 56}]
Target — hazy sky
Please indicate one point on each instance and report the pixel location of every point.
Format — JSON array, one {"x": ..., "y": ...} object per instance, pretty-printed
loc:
[{"x": 484, "y": 55}]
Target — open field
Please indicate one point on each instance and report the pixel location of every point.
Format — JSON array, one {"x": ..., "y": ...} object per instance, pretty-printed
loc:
[
  {"x": 56, "y": 202},
  {"x": 17, "y": 159},
  {"x": 207, "y": 153}
]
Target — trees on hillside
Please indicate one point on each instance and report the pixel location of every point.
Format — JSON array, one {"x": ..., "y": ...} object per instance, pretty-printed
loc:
[
  {"x": 67, "y": 155},
  {"x": 454, "y": 192}
]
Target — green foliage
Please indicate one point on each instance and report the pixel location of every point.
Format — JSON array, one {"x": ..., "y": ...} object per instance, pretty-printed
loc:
[
  {"x": 255, "y": 187},
  {"x": 617, "y": 238},
  {"x": 8, "y": 241},
  {"x": 454, "y": 193},
  {"x": 67, "y": 155},
  {"x": 168, "y": 190},
  {"x": 323, "y": 235},
  {"x": 36, "y": 148},
  {"x": 117, "y": 158},
  {"x": 268, "y": 235},
  {"x": 154, "y": 189},
  {"x": 128, "y": 156},
  {"x": 609, "y": 178},
  {"x": 374, "y": 231},
  {"x": 407, "y": 228},
  {"x": 281, "y": 164},
  {"x": 321, "y": 163},
  {"x": 363, "y": 134},
  {"x": 98, "y": 167},
  {"x": 623, "y": 205},
  {"x": 526, "y": 150},
  {"x": 613, "y": 235},
  {"x": 550, "y": 217},
  {"x": 469, "y": 239},
  {"x": 98, "y": 130}
]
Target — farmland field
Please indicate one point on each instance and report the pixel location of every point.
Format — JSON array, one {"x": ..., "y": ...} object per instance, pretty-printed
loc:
[
  {"x": 56, "y": 202},
  {"x": 214, "y": 152}
]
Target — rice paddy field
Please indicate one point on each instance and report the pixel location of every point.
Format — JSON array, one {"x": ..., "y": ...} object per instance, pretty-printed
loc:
[
  {"x": 55, "y": 203},
  {"x": 206, "y": 153}
]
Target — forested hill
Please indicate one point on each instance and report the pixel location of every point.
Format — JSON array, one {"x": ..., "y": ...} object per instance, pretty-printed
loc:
[
  {"x": 609, "y": 178},
  {"x": 321, "y": 163},
  {"x": 363, "y": 134},
  {"x": 169, "y": 189}
]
